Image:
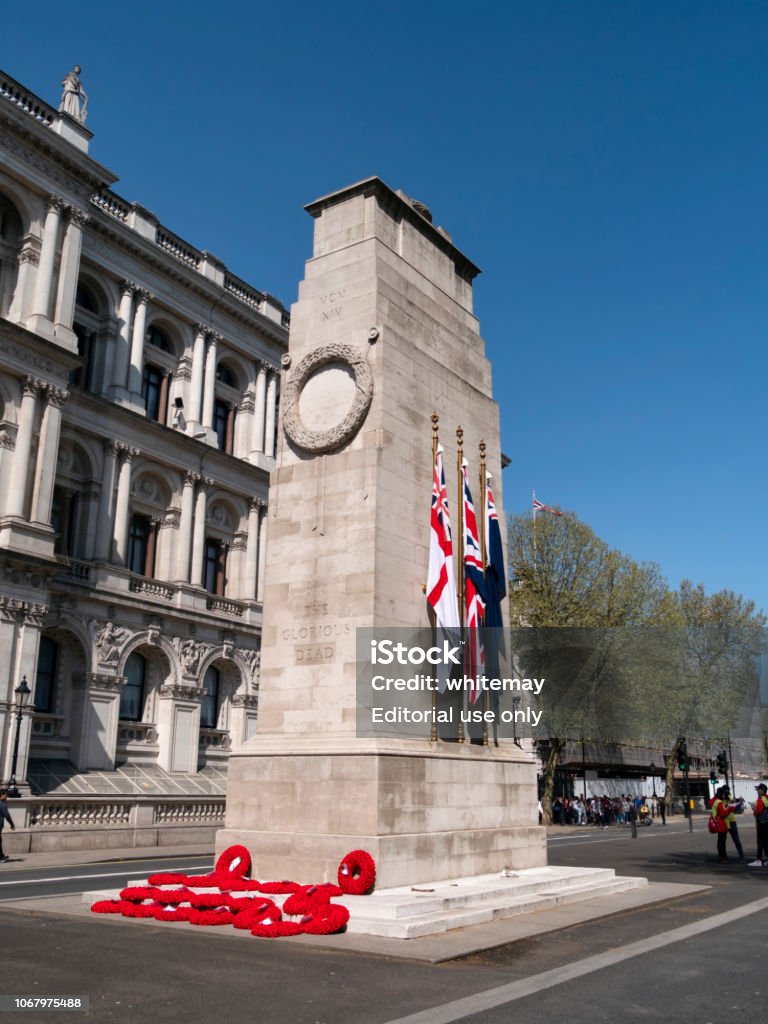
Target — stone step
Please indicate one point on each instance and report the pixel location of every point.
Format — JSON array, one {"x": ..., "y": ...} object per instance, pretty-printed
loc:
[
  {"x": 435, "y": 923},
  {"x": 445, "y": 896},
  {"x": 410, "y": 912}
]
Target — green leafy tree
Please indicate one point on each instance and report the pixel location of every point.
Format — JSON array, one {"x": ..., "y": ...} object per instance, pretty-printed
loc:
[
  {"x": 703, "y": 669},
  {"x": 577, "y": 597}
]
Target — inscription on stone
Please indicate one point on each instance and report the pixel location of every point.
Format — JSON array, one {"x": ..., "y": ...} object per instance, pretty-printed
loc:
[
  {"x": 314, "y": 654},
  {"x": 317, "y": 631},
  {"x": 332, "y": 303}
]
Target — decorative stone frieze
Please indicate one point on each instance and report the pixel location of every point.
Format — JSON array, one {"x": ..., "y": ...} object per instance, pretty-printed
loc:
[
  {"x": 246, "y": 700},
  {"x": 182, "y": 691},
  {"x": 29, "y": 612},
  {"x": 109, "y": 640},
  {"x": 191, "y": 653},
  {"x": 99, "y": 681},
  {"x": 252, "y": 658},
  {"x": 319, "y": 442},
  {"x": 29, "y": 255}
]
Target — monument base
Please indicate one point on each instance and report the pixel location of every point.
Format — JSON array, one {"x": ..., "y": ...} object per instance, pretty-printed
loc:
[{"x": 424, "y": 812}]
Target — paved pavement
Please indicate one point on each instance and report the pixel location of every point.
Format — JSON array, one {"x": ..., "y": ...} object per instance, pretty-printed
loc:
[{"x": 663, "y": 962}]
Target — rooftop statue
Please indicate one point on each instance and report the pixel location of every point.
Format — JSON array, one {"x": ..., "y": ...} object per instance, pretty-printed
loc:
[{"x": 74, "y": 98}]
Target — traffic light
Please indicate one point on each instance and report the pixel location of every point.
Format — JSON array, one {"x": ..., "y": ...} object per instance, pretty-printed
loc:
[
  {"x": 682, "y": 755},
  {"x": 722, "y": 763},
  {"x": 712, "y": 776}
]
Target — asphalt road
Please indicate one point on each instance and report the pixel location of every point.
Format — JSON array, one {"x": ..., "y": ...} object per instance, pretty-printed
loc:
[
  {"x": 22, "y": 883},
  {"x": 691, "y": 960}
]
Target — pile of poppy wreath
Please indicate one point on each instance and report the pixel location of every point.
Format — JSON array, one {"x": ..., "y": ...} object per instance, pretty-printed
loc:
[{"x": 228, "y": 896}]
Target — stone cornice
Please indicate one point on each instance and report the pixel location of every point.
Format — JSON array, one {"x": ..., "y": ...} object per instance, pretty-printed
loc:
[
  {"x": 41, "y": 141},
  {"x": 169, "y": 447},
  {"x": 147, "y": 251},
  {"x": 375, "y": 186},
  {"x": 29, "y": 352}
]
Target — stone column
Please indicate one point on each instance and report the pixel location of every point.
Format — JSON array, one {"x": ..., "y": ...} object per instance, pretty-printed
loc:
[
  {"x": 198, "y": 538},
  {"x": 122, "y": 506},
  {"x": 47, "y": 455},
  {"x": 209, "y": 388},
  {"x": 41, "y": 305},
  {"x": 196, "y": 380},
  {"x": 103, "y": 547},
  {"x": 248, "y": 590},
  {"x": 183, "y": 552},
  {"x": 262, "y": 553},
  {"x": 269, "y": 439},
  {"x": 69, "y": 269},
  {"x": 259, "y": 412},
  {"x": 122, "y": 343},
  {"x": 235, "y": 566},
  {"x": 17, "y": 482},
  {"x": 136, "y": 368},
  {"x": 29, "y": 256}
]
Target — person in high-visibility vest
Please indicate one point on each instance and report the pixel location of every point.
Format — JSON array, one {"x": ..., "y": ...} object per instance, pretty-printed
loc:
[
  {"x": 760, "y": 808},
  {"x": 720, "y": 811}
]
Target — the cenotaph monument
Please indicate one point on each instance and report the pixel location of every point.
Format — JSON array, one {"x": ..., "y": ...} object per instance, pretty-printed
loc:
[{"x": 383, "y": 333}]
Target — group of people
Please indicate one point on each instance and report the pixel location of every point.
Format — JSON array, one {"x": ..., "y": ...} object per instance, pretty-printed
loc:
[
  {"x": 605, "y": 810},
  {"x": 723, "y": 814}
]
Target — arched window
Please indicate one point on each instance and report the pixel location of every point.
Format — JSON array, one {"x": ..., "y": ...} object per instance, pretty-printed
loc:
[
  {"x": 64, "y": 508},
  {"x": 88, "y": 326},
  {"x": 209, "y": 708},
  {"x": 159, "y": 339},
  {"x": 132, "y": 692},
  {"x": 45, "y": 680},
  {"x": 223, "y": 423},
  {"x": 84, "y": 298},
  {"x": 142, "y": 545},
  {"x": 11, "y": 233},
  {"x": 227, "y": 396},
  {"x": 157, "y": 373},
  {"x": 74, "y": 477},
  {"x": 225, "y": 376},
  {"x": 154, "y": 391},
  {"x": 215, "y": 566}
]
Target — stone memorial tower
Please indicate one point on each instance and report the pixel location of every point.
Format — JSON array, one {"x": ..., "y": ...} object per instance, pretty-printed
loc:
[{"x": 383, "y": 333}]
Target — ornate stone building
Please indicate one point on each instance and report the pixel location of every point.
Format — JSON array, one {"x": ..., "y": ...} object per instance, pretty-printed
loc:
[{"x": 139, "y": 386}]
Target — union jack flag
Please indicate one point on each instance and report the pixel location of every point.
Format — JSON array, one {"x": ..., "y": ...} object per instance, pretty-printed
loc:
[
  {"x": 539, "y": 507},
  {"x": 474, "y": 590},
  {"x": 441, "y": 582}
]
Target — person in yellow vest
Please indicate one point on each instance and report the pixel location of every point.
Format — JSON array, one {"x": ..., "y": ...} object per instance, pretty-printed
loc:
[
  {"x": 760, "y": 808},
  {"x": 721, "y": 812}
]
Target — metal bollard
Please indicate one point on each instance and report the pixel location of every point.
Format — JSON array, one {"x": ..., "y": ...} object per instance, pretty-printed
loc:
[{"x": 633, "y": 821}]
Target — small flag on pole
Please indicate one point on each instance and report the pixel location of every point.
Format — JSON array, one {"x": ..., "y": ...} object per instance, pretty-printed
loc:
[
  {"x": 540, "y": 507},
  {"x": 474, "y": 589}
]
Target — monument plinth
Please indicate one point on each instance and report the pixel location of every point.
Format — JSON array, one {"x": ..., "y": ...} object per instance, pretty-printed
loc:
[{"x": 382, "y": 334}]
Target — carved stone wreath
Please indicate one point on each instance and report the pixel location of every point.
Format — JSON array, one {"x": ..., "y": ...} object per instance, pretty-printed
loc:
[{"x": 321, "y": 441}]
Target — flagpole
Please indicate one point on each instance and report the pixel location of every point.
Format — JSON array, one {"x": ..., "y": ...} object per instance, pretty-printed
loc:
[
  {"x": 433, "y": 735},
  {"x": 533, "y": 504},
  {"x": 460, "y": 460},
  {"x": 483, "y": 531}
]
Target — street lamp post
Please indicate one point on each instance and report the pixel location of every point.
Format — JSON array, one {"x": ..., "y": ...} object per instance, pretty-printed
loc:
[
  {"x": 22, "y": 691},
  {"x": 653, "y": 779}
]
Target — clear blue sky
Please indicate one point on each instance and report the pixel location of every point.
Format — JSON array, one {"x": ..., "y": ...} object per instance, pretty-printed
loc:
[{"x": 605, "y": 163}]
